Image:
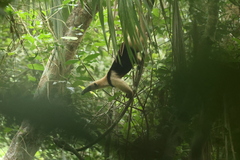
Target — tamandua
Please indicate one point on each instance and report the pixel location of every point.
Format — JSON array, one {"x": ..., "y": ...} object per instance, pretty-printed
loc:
[{"x": 120, "y": 67}]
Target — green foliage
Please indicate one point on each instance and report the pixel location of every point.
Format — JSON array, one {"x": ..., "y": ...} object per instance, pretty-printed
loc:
[
  {"x": 36, "y": 67},
  {"x": 170, "y": 105}
]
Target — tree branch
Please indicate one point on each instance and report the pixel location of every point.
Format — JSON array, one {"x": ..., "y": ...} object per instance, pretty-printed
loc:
[
  {"x": 64, "y": 145},
  {"x": 109, "y": 129}
]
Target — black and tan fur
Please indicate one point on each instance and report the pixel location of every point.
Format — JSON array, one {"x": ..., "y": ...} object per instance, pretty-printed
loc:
[{"x": 120, "y": 67}]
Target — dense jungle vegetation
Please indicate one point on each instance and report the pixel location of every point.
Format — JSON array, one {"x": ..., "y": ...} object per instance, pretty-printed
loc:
[{"x": 186, "y": 102}]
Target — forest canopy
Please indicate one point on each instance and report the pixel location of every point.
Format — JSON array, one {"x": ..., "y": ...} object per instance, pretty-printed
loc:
[{"x": 186, "y": 100}]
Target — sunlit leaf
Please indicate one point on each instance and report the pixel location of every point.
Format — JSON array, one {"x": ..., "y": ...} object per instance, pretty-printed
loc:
[
  {"x": 91, "y": 57},
  {"x": 11, "y": 53},
  {"x": 155, "y": 12},
  {"x": 36, "y": 66},
  {"x": 66, "y": 2},
  {"x": 29, "y": 38},
  {"x": 44, "y": 36},
  {"x": 69, "y": 38}
]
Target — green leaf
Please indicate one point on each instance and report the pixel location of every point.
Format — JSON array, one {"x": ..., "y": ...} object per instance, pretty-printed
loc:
[
  {"x": 44, "y": 36},
  {"x": 236, "y": 40},
  {"x": 69, "y": 38},
  {"x": 65, "y": 2},
  {"x": 80, "y": 53},
  {"x": 71, "y": 61},
  {"x": 36, "y": 66},
  {"x": 77, "y": 83},
  {"x": 7, "y": 130},
  {"x": 31, "y": 78},
  {"x": 11, "y": 53},
  {"x": 155, "y": 12},
  {"x": 91, "y": 57},
  {"x": 29, "y": 38}
]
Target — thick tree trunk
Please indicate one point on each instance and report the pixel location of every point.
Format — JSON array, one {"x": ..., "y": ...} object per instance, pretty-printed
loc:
[
  {"x": 28, "y": 139},
  {"x": 24, "y": 144},
  {"x": 177, "y": 38},
  {"x": 209, "y": 114}
]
